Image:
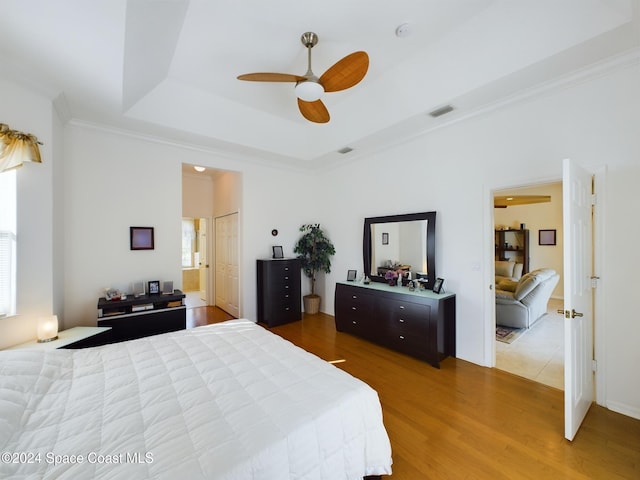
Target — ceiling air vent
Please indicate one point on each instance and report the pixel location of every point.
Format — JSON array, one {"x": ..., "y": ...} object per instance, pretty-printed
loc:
[
  {"x": 345, "y": 150},
  {"x": 441, "y": 111}
]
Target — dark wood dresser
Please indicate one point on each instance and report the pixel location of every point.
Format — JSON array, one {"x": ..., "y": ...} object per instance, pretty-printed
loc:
[
  {"x": 279, "y": 291},
  {"x": 419, "y": 323}
]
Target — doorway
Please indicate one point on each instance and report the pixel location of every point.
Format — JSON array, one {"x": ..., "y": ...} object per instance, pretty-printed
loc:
[
  {"x": 536, "y": 353},
  {"x": 195, "y": 281},
  {"x": 208, "y": 194}
]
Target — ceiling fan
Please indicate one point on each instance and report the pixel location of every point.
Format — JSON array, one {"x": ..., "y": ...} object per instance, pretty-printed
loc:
[{"x": 309, "y": 88}]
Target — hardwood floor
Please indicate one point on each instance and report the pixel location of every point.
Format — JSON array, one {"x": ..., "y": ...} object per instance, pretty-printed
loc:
[{"x": 471, "y": 422}]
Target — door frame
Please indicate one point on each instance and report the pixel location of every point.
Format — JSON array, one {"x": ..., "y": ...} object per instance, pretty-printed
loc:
[
  {"x": 599, "y": 244},
  {"x": 209, "y": 291}
]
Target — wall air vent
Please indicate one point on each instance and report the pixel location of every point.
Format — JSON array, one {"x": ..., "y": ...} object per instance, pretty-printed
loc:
[
  {"x": 441, "y": 111},
  {"x": 345, "y": 150}
]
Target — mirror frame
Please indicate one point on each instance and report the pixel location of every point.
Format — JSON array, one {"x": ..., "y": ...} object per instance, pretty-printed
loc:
[{"x": 430, "y": 217}]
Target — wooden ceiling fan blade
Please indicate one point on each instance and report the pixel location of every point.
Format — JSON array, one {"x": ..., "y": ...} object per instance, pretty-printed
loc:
[
  {"x": 271, "y": 77},
  {"x": 314, "y": 111},
  {"x": 345, "y": 73}
]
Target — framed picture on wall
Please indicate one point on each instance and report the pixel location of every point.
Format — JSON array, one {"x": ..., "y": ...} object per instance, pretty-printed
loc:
[
  {"x": 141, "y": 238},
  {"x": 385, "y": 239},
  {"x": 546, "y": 237}
]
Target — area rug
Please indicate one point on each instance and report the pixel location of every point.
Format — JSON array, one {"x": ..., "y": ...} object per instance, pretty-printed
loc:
[{"x": 508, "y": 334}]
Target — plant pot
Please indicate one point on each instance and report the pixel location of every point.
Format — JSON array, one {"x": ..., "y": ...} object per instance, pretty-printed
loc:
[{"x": 311, "y": 304}]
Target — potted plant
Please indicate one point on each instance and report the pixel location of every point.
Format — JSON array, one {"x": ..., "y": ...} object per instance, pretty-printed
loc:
[{"x": 314, "y": 250}]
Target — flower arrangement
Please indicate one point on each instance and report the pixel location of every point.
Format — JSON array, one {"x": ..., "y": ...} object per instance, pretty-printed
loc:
[{"x": 393, "y": 276}]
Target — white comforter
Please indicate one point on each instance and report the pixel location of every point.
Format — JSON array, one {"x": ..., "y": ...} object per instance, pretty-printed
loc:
[{"x": 226, "y": 401}]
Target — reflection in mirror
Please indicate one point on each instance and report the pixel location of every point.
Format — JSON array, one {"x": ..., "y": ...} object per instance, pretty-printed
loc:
[
  {"x": 400, "y": 245},
  {"x": 400, "y": 242}
]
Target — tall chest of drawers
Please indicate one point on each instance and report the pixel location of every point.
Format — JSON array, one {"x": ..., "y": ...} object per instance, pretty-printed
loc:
[
  {"x": 421, "y": 323},
  {"x": 279, "y": 291}
]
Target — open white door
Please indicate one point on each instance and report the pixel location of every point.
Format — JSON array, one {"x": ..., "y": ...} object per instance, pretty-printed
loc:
[
  {"x": 578, "y": 306},
  {"x": 227, "y": 264},
  {"x": 203, "y": 267}
]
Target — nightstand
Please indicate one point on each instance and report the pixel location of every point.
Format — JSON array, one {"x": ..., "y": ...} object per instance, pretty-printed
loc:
[{"x": 76, "y": 337}]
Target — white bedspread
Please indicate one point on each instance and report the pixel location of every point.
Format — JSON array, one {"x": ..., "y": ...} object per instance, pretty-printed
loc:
[{"x": 226, "y": 401}]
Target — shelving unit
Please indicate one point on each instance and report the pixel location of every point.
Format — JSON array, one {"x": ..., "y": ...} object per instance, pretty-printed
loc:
[
  {"x": 513, "y": 245},
  {"x": 136, "y": 317}
]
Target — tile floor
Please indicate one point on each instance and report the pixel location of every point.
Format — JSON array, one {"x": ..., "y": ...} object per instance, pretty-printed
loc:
[
  {"x": 538, "y": 354},
  {"x": 192, "y": 299}
]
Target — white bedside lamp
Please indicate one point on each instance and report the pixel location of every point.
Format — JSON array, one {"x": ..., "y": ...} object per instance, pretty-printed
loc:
[{"x": 47, "y": 328}]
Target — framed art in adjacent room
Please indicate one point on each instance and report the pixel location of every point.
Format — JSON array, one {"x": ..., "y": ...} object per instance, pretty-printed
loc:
[
  {"x": 546, "y": 237},
  {"x": 385, "y": 238},
  {"x": 141, "y": 238}
]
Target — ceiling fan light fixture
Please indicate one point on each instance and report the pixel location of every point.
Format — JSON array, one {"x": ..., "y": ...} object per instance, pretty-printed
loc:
[{"x": 309, "y": 91}]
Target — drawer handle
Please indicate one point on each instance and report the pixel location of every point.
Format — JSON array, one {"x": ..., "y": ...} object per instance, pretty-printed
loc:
[
  {"x": 286, "y": 269},
  {"x": 401, "y": 337},
  {"x": 354, "y": 322},
  {"x": 354, "y": 296},
  {"x": 287, "y": 308},
  {"x": 401, "y": 307},
  {"x": 353, "y": 308},
  {"x": 286, "y": 278},
  {"x": 401, "y": 320},
  {"x": 286, "y": 296},
  {"x": 286, "y": 286}
]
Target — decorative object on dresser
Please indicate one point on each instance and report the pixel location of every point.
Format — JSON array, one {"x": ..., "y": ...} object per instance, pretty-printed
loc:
[
  {"x": 279, "y": 291},
  {"x": 277, "y": 251},
  {"x": 351, "y": 275},
  {"x": 314, "y": 250},
  {"x": 167, "y": 287},
  {"x": 143, "y": 316},
  {"x": 419, "y": 323},
  {"x": 154, "y": 287}
]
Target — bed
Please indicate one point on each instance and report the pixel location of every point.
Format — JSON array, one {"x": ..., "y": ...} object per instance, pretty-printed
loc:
[{"x": 224, "y": 401}]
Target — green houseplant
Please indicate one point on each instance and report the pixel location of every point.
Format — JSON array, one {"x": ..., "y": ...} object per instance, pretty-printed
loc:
[{"x": 314, "y": 250}]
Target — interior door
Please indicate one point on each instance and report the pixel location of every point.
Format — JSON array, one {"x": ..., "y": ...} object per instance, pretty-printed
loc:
[
  {"x": 227, "y": 264},
  {"x": 203, "y": 250},
  {"x": 578, "y": 304}
]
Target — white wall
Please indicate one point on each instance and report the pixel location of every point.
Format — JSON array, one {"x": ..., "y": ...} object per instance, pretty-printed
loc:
[
  {"x": 596, "y": 123},
  {"x": 38, "y": 274},
  {"x": 114, "y": 181},
  {"x": 197, "y": 196}
]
